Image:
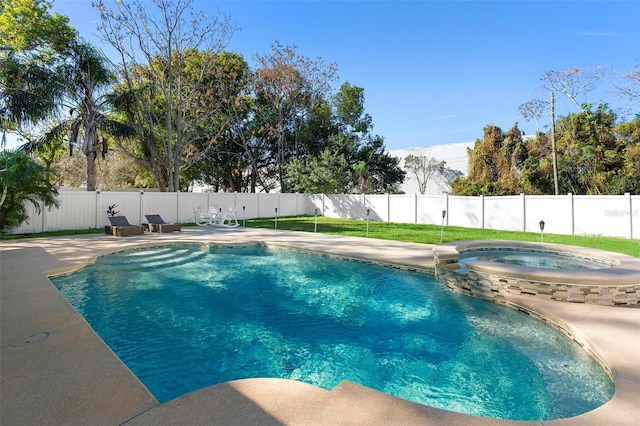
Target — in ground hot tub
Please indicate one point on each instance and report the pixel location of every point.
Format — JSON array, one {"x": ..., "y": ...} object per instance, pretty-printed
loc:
[{"x": 494, "y": 269}]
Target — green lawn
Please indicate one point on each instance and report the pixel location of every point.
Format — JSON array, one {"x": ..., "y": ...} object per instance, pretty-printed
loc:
[{"x": 430, "y": 234}]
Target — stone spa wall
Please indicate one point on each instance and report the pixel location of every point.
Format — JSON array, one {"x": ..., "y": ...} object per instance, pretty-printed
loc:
[{"x": 618, "y": 285}]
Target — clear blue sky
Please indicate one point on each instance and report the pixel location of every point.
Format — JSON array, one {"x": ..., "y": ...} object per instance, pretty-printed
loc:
[{"x": 435, "y": 72}]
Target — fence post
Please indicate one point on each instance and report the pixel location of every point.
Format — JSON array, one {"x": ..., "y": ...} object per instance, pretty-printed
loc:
[
  {"x": 627, "y": 196},
  {"x": 572, "y": 216},
  {"x": 178, "y": 206},
  {"x": 97, "y": 207},
  {"x": 43, "y": 213},
  {"x": 140, "y": 205},
  {"x": 415, "y": 208},
  {"x": 364, "y": 203},
  {"x": 524, "y": 212},
  {"x": 388, "y": 208},
  {"x": 446, "y": 207},
  {"x": 481, "y": 211}
]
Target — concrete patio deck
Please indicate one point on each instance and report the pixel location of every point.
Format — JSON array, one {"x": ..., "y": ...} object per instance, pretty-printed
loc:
[{"x": 55, "y": 370}]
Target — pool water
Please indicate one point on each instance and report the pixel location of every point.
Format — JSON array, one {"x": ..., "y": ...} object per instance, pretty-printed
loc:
[
  {"x": 532, "y": 258},
  {"x": 184, "y": 317}
]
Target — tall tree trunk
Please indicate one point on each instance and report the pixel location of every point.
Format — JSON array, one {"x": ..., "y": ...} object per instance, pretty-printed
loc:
[
  {"x": 90, "y": 146},
  {"x": 91, "y": 171}
]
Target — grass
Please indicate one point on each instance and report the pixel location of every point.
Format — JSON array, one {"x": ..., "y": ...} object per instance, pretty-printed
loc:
[
  {"x": 430, "y": 234},
  {"x": 425, "y": 234}
]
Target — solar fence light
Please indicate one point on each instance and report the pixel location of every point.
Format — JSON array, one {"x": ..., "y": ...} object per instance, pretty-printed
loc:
[
  {"x": 315, "y": 221},
  {"x": 444, "y": 213},
  {"x": 368, "y": 211}
]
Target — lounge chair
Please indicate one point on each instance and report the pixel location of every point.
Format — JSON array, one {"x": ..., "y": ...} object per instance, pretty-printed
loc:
[
  {"x": 156, "y": 224},
  {"x": 120, "y": 227}
]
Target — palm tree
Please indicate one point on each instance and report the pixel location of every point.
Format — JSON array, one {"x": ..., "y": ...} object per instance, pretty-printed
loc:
[{"x": 86, "y": 78}]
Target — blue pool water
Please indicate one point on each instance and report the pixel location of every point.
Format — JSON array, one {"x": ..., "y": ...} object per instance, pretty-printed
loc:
[
  {"x": 183, "y": 317},
  {"x": 532, "y": 258}
]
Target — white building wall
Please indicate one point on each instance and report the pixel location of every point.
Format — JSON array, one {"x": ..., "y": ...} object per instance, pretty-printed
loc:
[{"x": 454, "y": 155}]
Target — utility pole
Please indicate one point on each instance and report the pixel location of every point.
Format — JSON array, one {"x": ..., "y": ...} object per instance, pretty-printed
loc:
[{"x": 553, "y": 143}]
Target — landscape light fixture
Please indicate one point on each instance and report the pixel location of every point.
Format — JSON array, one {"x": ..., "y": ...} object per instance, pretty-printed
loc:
[
  {"x": 542, "y": 231},
  {"x": 315, "y": 221},
  {"x": 444, "y": 213},
  {"x": 368, "y": 211},
  {"x": 243, "y": 209},
  {"x": 276, "y": 219}
]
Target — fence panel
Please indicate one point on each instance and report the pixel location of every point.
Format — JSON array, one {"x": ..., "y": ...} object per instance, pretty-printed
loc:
[
  {"x": 247, "y": 206},
  {"x": 268, "y": 205},
  {"x": 314, "y": 204},
  {"x": 504, "y": 213},
  {"x": 430, "y": 209},
  {"x": 34, "y": 222},
  {"x": 223, "y": 202},
  {"x": 402, "y": 208},
  {"x": 602, "y": 215},
  {"x": 555, "y": 211},
  {"x": 617, "y": 216},
  {"x": 344, "y": 206},
  {"x": 378, "y": 206},
  {"x": 635, "y": 216},
  {"x": 192, "y": 205},
  {"x": 160, "y": 203},
  {"x": 78, "y": 210},
  {"x": 465, "y": 211},
  {"x": 127, "y": 203},
  {"x": 288, "y": 205}
]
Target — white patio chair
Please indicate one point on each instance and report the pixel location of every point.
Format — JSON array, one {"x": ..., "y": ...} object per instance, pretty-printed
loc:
[{"x": 229, "y": 219}]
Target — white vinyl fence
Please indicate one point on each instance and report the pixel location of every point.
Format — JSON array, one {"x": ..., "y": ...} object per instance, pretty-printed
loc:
[{"x": 616, "y": 216}]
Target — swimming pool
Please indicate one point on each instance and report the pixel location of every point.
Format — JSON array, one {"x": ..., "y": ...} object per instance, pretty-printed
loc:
[{"x": 186, "y": 317}]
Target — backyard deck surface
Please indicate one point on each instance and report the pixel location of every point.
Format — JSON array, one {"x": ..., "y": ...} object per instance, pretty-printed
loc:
[{"x": 55, "y": 370}]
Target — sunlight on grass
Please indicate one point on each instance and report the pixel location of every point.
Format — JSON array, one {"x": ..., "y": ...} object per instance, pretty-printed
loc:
[{"x": 430, "y": 234}]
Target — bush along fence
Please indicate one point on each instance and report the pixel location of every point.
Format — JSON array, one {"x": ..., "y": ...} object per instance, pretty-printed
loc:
[{"x": 611, "y": 215}]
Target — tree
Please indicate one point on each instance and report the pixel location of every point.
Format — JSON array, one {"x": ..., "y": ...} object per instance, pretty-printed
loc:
[
  {"x": 570, "y": 83},
  {"x": 32, "y": 44},
  {"x": 496, "y": 164},
  {"x": 22, "y": 180},
  {"x": 590, "y": 156},
  {"x": 229, "y": 149},
  {"x": 162, "y": 61},
  {"x": 532, "y": 110},
  {"x": 292, "y": 85},
  {"x": 338, "y": 152},
  {"x": 630, "y": 87},
  {"x": 327, "y": 173},
  {"x": 574, "y": 81},
  {"x": 87, "y": 75},
  {"x": 628, "y": 176},
  {"x": 423, "y": 169}
]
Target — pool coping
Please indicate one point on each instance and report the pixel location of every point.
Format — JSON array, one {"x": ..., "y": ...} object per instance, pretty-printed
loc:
[{"x": 54, "y": 369}]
